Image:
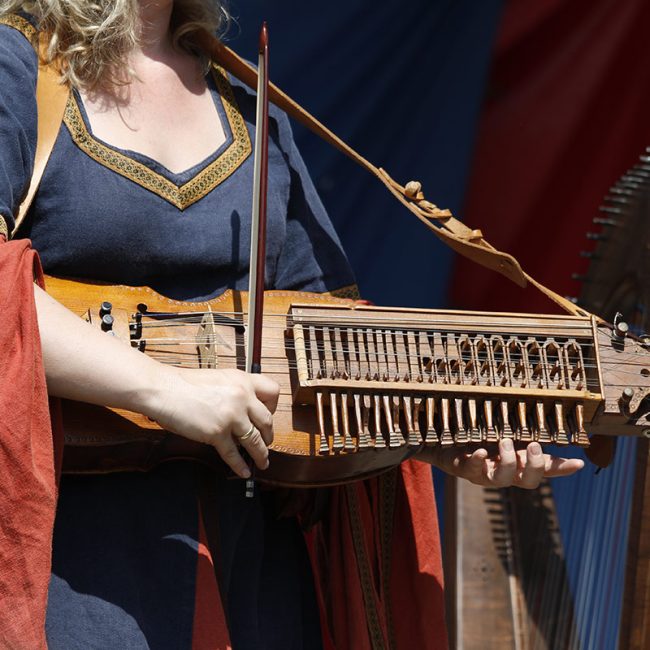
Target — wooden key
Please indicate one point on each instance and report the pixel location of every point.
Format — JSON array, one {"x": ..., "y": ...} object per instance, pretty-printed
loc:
[
  {"x": 393, "y": 438},
  {"x": 324, "y": 448},
  {"x": 581, "y": 438},
  {"x": 364, "y": 364},
  {"x": 329, "y": 370},
  {"x": 340, "y": 369},
  {"x": 462, "y": 437},
  {"x": 415, "y": 372},
  {"x": 432, "y": 436},
  {"x": 447, "y": 438},
  {"x": 382, "y": 357},
  {"x": 348, "y": 442},
  {"x": 474, "y": 431},
  {"x": 543, "y": 435},
  {"x": 403, "y": 368},
  {"x": 454, "y": 361},
  {"x": 440, "y": 359},
  {"x": 397, "y": 409},
  {"x": 316, "y": 369},
  {"x": 505, "y": 420},
  {"x": 380, "y": 443},
  {"x": 365, "y": 440},
  {"x": 414, "y": 438},
  {"x": 392, "y": 363},
  {"x": 491, "y": 434},
  {"x": 337, "y": 440},
  {"x": 373, "y": 361},
  {"x": 560, "y": 432},
  {"x": 352, "y": 353},
  {"x": 427, "y": 365},
  {"x": 358, "y": 418},
  {"x": 522, "y": 430}
]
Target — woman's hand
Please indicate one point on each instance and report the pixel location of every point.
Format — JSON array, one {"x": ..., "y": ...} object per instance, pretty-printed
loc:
[
  {"x": 211, "y": 406},
  {"x": 217, "y": 407},
  {"x": 523, "y": 467}
]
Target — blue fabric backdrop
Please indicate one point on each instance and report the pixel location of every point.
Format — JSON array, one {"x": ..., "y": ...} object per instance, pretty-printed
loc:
[{"x": 402, "y": 82}]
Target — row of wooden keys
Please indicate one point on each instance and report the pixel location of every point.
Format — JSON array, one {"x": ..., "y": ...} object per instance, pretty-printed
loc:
[
  {"x": 362, "y": 420},
  {"x": 444, "y": 357}
]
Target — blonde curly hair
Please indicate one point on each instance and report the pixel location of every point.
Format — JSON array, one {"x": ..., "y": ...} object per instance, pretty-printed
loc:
[{"x": 91, "y": 39}]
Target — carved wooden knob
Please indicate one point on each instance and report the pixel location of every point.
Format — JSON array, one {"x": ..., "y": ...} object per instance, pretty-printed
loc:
[{"x": 412, "y": 189}]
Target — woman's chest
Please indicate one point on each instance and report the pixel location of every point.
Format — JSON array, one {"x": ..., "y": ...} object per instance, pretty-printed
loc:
[
  {"x": 176, "y": 124},
  {"x": 118, "y": 216}
]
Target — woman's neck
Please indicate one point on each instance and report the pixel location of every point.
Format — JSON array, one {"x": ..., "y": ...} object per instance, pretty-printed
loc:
[{"x": 154, "y": 28}]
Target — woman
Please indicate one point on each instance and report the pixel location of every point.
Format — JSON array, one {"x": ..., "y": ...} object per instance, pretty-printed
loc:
[{"x": 121, "y": 202}]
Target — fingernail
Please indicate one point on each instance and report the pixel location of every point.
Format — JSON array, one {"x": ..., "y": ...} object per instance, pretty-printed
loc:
[
  {"x": 535, "y": 449},
  {"x": 507, "y": 444},
  {"x": 245, "y": 473}
]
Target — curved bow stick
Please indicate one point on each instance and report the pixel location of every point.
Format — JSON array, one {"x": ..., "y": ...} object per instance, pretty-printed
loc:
[{"x": 258, "y": 221}]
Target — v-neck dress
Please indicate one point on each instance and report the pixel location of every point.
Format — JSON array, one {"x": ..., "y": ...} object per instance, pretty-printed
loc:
[{"x": 125, "y": 545}]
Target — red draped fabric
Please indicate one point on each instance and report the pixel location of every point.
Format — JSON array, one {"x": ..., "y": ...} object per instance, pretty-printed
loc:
[
  {"x": 28, "y": 488},
  {"x": 565, "y": 115},
  {"x": 377, "y": 563}
]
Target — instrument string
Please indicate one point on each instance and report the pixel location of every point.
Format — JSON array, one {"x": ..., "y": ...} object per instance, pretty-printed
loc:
[
  {"x": 348, "y": 320},
  {"x": 424, "y": 361}
]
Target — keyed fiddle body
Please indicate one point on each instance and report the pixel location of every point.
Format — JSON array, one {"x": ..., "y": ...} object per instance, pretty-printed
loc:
[{"x": 363, "y": 388}]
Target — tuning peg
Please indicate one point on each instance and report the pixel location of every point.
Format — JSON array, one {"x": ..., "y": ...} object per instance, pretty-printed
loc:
[
  {"x": 621, "y": 328},
  {"x": 622, "y": 191},
  {"x": 596, "y": 236},
  {"x": 604, "y": 221},
  {"x": 579, "y": 277},
  {"x": 107, "y": 323},
  {"x": 590, "y": 255}
]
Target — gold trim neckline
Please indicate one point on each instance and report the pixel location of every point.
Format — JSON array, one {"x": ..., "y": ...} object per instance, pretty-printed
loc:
[
  {"x": 21, "y": 24},
  {"x": 181, "y": 196}
]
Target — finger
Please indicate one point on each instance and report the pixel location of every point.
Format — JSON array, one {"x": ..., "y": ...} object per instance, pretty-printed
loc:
[
  {"x": 227, "y": 449},
  {"x": 267, "y": 391},
  {"x": 557, "y": 466},
  {"x": 256, "y": 448},
  {"x": 506, "y": 466},
  {"x": 472, "y": 467},
  {"x": 533, "y": 467},
  {"x": 262, "y": 418}
]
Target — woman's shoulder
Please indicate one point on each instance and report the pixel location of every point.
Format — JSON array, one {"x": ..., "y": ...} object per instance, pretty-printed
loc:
[
  {"x": 18, "y": 55},
  {"x": 18, "y": 43}
]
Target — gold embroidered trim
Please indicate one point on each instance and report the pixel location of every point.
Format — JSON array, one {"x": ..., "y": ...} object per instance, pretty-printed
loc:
[
  {"x": 196, "y": 188},
  {"x": 22, "y": 25},
  {"x": 387, "y": 487},
  {"x": 365, "y": 573}
]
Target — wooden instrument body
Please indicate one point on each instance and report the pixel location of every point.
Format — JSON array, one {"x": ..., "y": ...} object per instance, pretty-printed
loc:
[{"x": 362, "y": 388}]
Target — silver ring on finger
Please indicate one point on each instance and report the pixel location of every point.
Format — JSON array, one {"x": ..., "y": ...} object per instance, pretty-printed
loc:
[{"x": 246, "y": 435}]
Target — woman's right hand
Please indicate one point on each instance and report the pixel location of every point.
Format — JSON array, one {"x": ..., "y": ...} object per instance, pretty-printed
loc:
[
  {"x": 214, "y": 407},
  {"x": 217, "y": 407}
]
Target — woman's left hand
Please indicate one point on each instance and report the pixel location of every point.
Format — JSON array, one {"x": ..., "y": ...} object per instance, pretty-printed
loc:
[{"x": 523, "y": 468}]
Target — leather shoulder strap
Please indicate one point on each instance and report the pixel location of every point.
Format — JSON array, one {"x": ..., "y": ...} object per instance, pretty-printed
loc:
[
  {"x": 51, "y": 99},
  {"x": 462, "y": 239}
]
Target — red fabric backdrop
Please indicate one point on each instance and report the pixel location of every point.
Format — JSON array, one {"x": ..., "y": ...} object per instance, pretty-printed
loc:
[{"x": 567, "y": 112}]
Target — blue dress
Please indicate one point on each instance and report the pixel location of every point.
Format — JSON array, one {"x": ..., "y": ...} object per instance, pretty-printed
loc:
[{"x": 125, "y": 545}]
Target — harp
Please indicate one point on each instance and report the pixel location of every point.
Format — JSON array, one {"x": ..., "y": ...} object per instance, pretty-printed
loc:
[{"x": 509, "y": 565}]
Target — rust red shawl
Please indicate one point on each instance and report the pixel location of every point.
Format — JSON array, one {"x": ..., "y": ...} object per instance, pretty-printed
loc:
[{"x": 28, "y": 487}]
